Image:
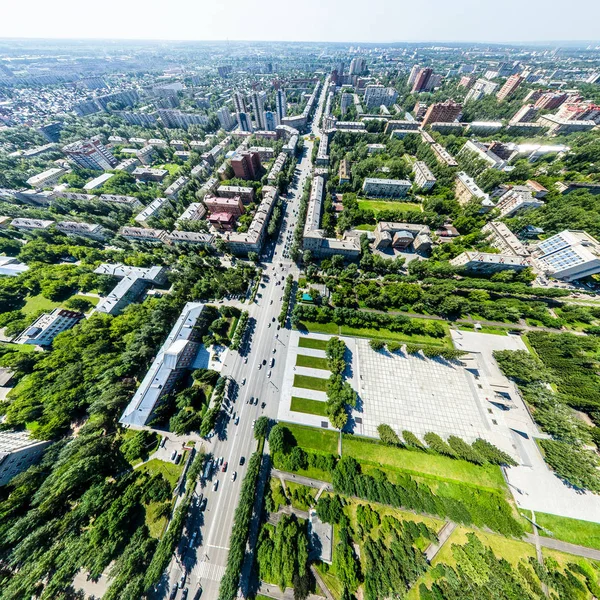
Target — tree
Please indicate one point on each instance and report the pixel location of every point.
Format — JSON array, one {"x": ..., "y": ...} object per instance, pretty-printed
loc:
[
  {"x": 377, "y": 345},
  {"x": 388, "y": 436},
  {"x": 253, "y": 256},
  {"x": 261, "y": 427},
  {"x": 281, "y": 439}
]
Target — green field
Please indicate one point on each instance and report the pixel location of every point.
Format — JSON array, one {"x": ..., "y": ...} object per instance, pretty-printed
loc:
[
  {"x": 310, "y": 383},
  {"x": 311, "y": 438},
  {"x": 313, "y": 362},
  {"x": 171, "y": 167},
  {"x": 419, "y": 463},
  {"x": 365, "y": 227},
  {"x": 156, "y": 526},
  {"x": 169, "y": 470},
  {"x": 309, "y": 407},
  {"x": 18, "y": 347},
  {"x": 378, "y": 205},
  {"x": 584, "y": 533},
  {"x": 305, "y": 342},
  {"x": 311, "y": 327},
  {"x": 34, "y": 304},
  {"x": 91, "y": 299}
]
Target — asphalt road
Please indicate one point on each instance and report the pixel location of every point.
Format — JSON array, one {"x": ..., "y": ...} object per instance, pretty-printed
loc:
[{"x": 203, "y": 563}]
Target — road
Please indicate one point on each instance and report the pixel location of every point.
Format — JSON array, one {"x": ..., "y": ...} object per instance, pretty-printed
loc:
[{"x": 203, "y": 564}]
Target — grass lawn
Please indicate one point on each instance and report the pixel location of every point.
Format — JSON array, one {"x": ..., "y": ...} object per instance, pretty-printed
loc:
[
  {"x": 171, "y": 167},
  {"x": 484, "y": 329},
  {"x": 155, "y": 526},
  {"x": 378, "y": 205},
  {"x": 574, "y": 531},
  {"x": 91, "y": 299},
  {"x": 305, "y": 342},
  {"x": 169, "y": 470},
  {"x": 311, "y": 327},
  {"x": 18, "y": 347},
  {"x": 365, "y": 227},
  {"x": 386, "y": 334},
  {"x": 36, "y": 303},
  {"x": 313, "y": 362},
  {"x": 313, "y": 438},
  {"x": 303, "y": 494},
  {"x": 331, "y": 581},
  {"x": 310, "y": 383},
  {"x": 309, "y": 407},
  {"x": 421, "y": 463}
]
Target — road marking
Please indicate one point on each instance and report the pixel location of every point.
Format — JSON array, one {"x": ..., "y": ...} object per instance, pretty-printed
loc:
[
  {"x": 219, "y": 547},
  {"x": 210, "y": 571}
]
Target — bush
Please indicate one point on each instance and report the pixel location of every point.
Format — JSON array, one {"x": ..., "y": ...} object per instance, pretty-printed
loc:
[
  {"x": 388, "y": 436},
  {"x": 412, "y": 441},
  {"x": 377, "y": 345},
  {"x": 464, "y": 451},
  {"x": 492, "y": 454},
  {"x": 438, "y": 445},
  {"x": 577, "y": 467}
]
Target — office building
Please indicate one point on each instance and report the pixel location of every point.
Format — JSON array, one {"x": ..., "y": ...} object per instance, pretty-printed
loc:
[
  {"x": 280, "y": 105},
  {"x": 175, "y": 356},
  {"x": 424, "y": 178},
  {"x": 258, "y": 107},
  {"x": 48, "y": 326},
  {"x": 466, "y": 190},
  {"x": 442, "y": 112},
  {"x": 487, "y": 263},
  {"x": 90, "y": 154},
  {"x": 502, "y": 238},
  {"x": 518, "y": 198},
  {"x": 377, "y": 95},
  {"x": 18, "y": 452},
  {"x": 246, "y": 165},
  {"x": 385, "y": 188},
  {"x": 421, "y": 81},
  {"x": 47, "y": 178},
  {"x": 526, "y": 114},
  {"x": 133, "y": 282},
  {"x": 569, "y": 255},
  {"x": 510, "y": 87}
]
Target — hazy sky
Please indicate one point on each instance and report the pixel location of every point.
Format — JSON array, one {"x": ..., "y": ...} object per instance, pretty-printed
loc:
[{"x": 304, "y": 20}]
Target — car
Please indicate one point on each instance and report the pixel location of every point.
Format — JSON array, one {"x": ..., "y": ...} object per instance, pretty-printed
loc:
[
  {"x": 245, "y": 362},
  {"x": 224, "y": 467},
  {"x": 233, "y": 476},
  {"x": 203, "y": 504},
  {"x": 263, "y": 404},
  {"x": 269, "y": 374},
  {"x": 259, "y": 366},
  {"x": 244, "y": 380},
  {"x": 242, "y": 460},
  {"x": 274, "y": 350},
  {"x": 264, "y": 362},
  {"x": 215, "y": 485},
  {"x": 182, "y": 580},
  {"x": 173, "y": 454},
  {"x": 273, "y": 320},
  {"x": 237, "y": 420},
  {"x": 184, "y": 594},
  {"x": 173, "y": 592},
  {"x": 251, "y": 400},
  {"x": 255, "y": 400},
  {"x": 178, "y": 459},
  {"x": 272, "y": 362},
  {"x": 221, "y": 460},
  {"x": 278, "y": 327}
]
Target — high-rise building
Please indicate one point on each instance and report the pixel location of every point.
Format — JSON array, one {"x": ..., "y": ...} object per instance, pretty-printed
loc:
[
  {"x": 421, "y": 82},
  {"x": 376, "y": 95},
  {"x": 91, "y": 154},
  {"x": 270, "y": 120},
  {"x": 442, "y": 112},
  {"x": 244, "y": 121},
  {"x": 246, "y": 165},
  {"x": 481, "y": 88},
  {"x": 239, "y": 102},
  {"x": 550, "y": 100},
  {"x": 526, "y": 114},
  {"x": 258, "y": 106},
  {"x": 466, "y": 81},
  {"x": 346, "y": 101},
  {"x": 51, "y": 131},
  {"x": 224, "y": 70},
  {"x": 413, "y": 74},
  {"x": 509, "y": 88},
  {"x": 358, "y": 66},
  {"x": 280, "y": 105},
  {"x": 175, "y": 119},
  {"x": 225, "y": 119}
]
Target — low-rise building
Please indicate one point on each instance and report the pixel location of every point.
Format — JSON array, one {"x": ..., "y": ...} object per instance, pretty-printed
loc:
[
  {"x": 276, "y": 168},
  {"x": 231, "y": 191},
  {"x": 566, "y": 187},
  {"x": 375, "y": 148},
  {"x": 146, "y": 155},
  {"x": 173, "y": 190},
  {"x": 148, "y": 174},
  {"x": 153, "y": 210},
  {"x": 482, "y": 152},
  {"x": 569, "y": 255},
  {"x": 485, "y": 262},
  {"x": 558, "y": 125},
  {"x": 18, "y": 451},
  {"x": 90, "y": 230},
  {"x": 443, "y": 156},
  {"x": 24, "y": 224},
  {"x": 194, "y": 212},
  {"x": 98, "y": 182},
  {"x": 518, "y": 198},
  {"x": 402, "y": 235},
  {"x": 466, "y": 190},
  {"x": 175, "y": 356},
  {"x": 424, "y": 178},
  {"x": 217, "y": 205},
  {"x": 385, "y": 188},
  {"x": 43, "y": 331},
  {"x": 134, "y": 281},
  {"x": 47, "y": 178},
  {"x": 322, "y": 159},
  {"x": 501, "y": 237},
  {"x": 128, "y": 165},
  {"x": 190, "y": 237},
  {"x": 12, "y": 267},
  {"x": 143, "y": 234}
]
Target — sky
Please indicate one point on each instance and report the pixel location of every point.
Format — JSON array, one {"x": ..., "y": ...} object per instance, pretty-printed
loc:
[{"x": 304, "y": 20}]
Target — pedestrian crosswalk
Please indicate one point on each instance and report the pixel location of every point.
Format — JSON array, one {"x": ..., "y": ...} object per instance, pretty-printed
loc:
[{"x": 208, "y": 570}]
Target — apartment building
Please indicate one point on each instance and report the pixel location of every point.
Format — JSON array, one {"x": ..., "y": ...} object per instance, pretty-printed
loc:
[
  {"x": 442, "y": 112},
  {"x": 385, "y": 188},
  {"x": 510, "y": 87},
  {"x": 143, "y": 234},
  {"x": 518, "y": 198},
  {"x": 153, "y": 210},
  {"x": 402, "y": 235},
  {"x": 46, "y": 178},
  {"x": 501, "y": 237},
  {"x": 89, "y": 230},
  {"x": 487, "y": 263},
  {"x": 466, "y": 190},
  {"x": 424, "y": 178},
  {"x": 90, "y": 154}
]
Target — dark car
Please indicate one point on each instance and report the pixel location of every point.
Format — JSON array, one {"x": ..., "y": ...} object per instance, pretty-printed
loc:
[
  {"x": 173, "y": 592},
  {"x": 203, "y": 504},
  {"x": 242, "y": 460},
  {"x": 184, "y": 594}
]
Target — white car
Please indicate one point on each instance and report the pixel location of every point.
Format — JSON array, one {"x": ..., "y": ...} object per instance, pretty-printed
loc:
[
  {"x": 233, "y": 476},
  {"x": 215, "y": 485},
  {"x": 244, "y": 381},
  {"x": 269, "y": 374}
]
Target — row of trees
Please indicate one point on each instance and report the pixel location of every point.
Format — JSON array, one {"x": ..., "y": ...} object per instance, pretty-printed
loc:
[{"x": 339, "y": 392}]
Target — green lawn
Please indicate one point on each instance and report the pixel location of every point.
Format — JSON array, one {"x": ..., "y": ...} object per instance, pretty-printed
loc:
[
  {"x": 305, "y": 342},
  {"x": 313, "y": 438},
  {"x": 331, "y": 581},
  {"x": 156, "y": 526},
  {"x": 419, "y": 463},
  {"x": 584, "y": 533},
  {"x": 18, "y": 347},
  {"x": 484, "y": 329},
  {"x": 313, "y": 362},
  {"x": 171, "y": 167},
  {"x": 91, "y": 299},
  {"x": 310, "y": 383},
  {"x": 310, "y": 407},
  {"x": 365, "y": 227},
  {"x": 34, "y": 304},
  {"x": 311, "y": 327},
  {"x": 169, "y": 470},
  {"x": 396, "y": 336},
  {"x": 378, "y": 205},
  {"x": 304, "y": 494}
]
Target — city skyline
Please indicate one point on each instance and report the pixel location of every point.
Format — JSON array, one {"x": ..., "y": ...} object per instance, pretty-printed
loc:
[{"x": 432, "y": 21}]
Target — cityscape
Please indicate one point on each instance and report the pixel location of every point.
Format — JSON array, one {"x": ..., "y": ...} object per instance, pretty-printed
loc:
[{"x": 299, "y": 320}]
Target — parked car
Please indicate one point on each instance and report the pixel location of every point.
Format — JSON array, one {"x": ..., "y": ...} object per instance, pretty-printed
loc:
[
  {"x": 215, "y": 485},
  {"x": 233, "y": 476},
  {"x": 224, "y": 467}
]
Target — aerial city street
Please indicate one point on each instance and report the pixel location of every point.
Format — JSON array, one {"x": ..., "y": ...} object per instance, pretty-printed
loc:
[{"x": 299, "y": 319}]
